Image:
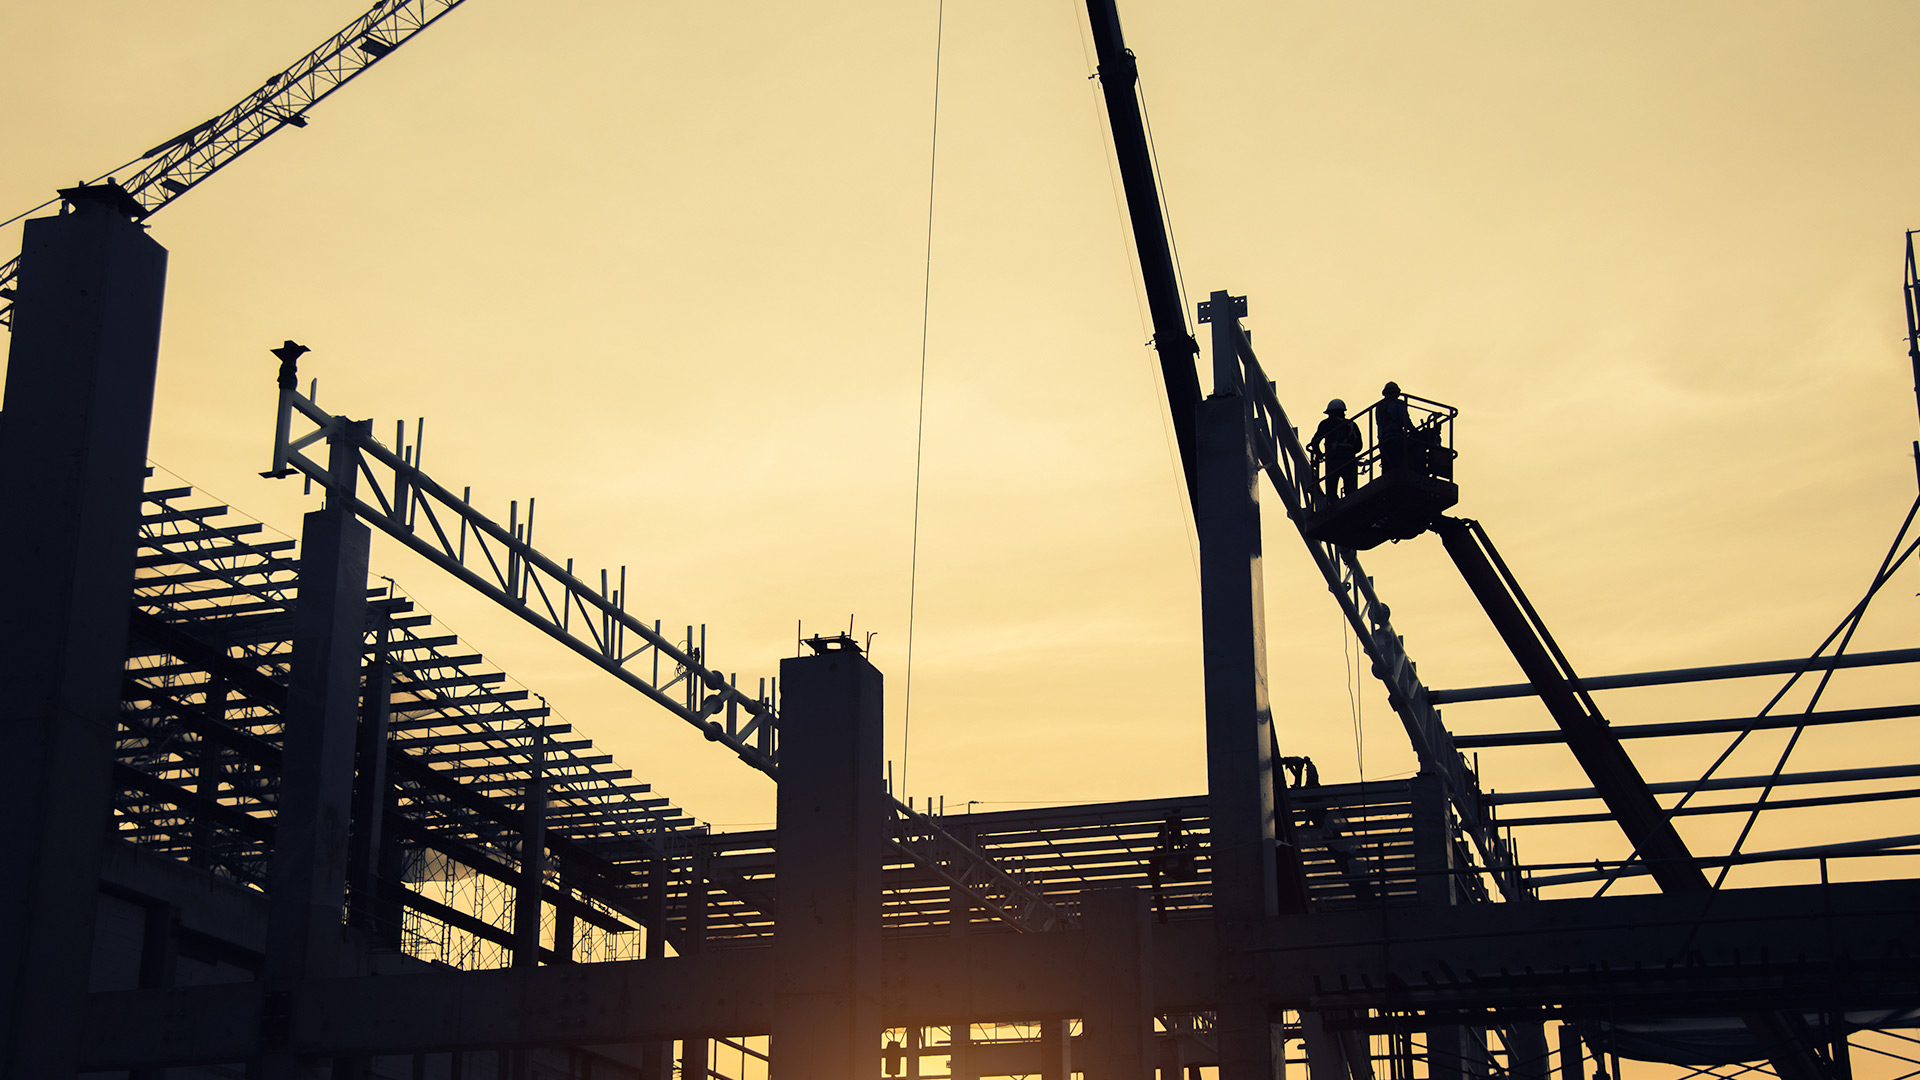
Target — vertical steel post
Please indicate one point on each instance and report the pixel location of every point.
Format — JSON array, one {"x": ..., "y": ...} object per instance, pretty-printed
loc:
[
  {"x": 73, "y": 447},
  {"x": 1240, "y": 788},
  {"x": 831, "y": 812},
  {"x": 308, "y": 875}
]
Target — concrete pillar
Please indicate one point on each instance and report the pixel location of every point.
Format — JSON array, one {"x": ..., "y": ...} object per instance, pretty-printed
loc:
[
  {"x": 1240, "y": 787},
  {"x": 1432, "y": 843},
  {"x": 1527, "y": 1052},
  {"x": 1456, "y": 1053},
  {"x": 959, "y": 921},
  {"x": 371, "y": 794},
  {"x": 695, "y": 1052},
  {"x": 1572, "y": 1057},
  {"x": 308, "y": 874},
  {"x": 656, "y": 1059},
  {"x": 533, "y": 861},
  {"x": 1118, "y": 986},
  {"x": 831, "y": 812},
  {"x": 1056, "y": 1050},
  {"x": 73, "y": 448},
  {"x": 206, "y": 783}
]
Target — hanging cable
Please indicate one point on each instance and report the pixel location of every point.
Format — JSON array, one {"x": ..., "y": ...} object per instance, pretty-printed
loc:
[
  {"x": 1353, "y": 694},
  {"x": 1889, "y": 565},
  {"x": 920, "y": 423}
]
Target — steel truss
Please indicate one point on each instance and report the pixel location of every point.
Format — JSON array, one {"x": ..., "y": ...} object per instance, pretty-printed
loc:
[{"x": 502, "y": 564}]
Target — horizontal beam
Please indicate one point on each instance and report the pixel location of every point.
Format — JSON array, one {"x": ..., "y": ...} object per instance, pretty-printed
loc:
[
  {"x": 1849, "y": 945},
  {"x": 1700, "y": 727},
  {"x": 1685, "y": 675},
  {"x": 1725, "y": 783}
]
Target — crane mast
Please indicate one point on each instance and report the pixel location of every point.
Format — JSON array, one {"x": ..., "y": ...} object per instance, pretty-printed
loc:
[{"x": 181, "y": 163}]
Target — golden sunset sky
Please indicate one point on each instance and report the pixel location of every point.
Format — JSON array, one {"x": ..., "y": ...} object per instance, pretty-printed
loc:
[{"x": 661, "y": 267}]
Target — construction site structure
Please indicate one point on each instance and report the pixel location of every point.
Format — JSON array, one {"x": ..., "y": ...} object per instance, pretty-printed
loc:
[{"x": 273, "y": 820}]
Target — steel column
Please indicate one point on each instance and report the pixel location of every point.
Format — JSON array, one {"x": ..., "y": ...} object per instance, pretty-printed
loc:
[{"x": 73, "y": 446}]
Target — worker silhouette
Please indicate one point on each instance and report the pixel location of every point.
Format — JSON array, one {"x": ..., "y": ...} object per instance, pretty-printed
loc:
[
  {"x": 1338, "y": 441},
  {"x": 1394, "y": 428}
]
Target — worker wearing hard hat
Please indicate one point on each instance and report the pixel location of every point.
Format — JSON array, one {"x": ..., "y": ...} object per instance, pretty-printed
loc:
[
  {"x": 1337, "y": 440},
  {"x": 1394, "y": 427}
]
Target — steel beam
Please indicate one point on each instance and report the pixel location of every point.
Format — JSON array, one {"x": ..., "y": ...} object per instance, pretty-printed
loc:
[
  {"x": 1847, "y": 946},
  {"x": 1692, "y": 674}
]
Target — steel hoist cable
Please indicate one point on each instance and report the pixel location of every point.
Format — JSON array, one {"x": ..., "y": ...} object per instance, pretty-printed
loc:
[{"x": 920, "y": 422}]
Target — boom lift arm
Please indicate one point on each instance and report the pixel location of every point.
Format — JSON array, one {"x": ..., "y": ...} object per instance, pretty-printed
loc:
[
  {"x": 180, "y": 164},
  {"x": 1782, "y": 1036},
  {"x": 1283, "y": 459},
  {"x": 1118, "y": 76}
]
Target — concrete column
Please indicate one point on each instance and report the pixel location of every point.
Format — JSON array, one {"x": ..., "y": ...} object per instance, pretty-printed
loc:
[
  {"x": 1432, "y": 843},
  {"x": 533, "y": 861},
  {"x": 370, "y": 797},
  {"x": 1240, "y": 789},
  {"x": 73, "y": 448},
  {"x": 959, "y": 920},
  {"x": 206, "y": 783},
  {"x": 1118, "y": 974},
  {"x": 831, "y": 812},
  {"x": 656, "y": 1059},
  {"x": 308, "y": 873},
  {"x": 1572, "y": 1057},
  {"x": 695, "y": 1052},
  {"x": 1056, "y": 1050},
  {"x": 1527, "y": 1052}
]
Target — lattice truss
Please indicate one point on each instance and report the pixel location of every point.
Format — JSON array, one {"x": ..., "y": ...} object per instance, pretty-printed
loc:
[
  {"x": 199, "y": 747},
  {"x": 199, "y": 760}
]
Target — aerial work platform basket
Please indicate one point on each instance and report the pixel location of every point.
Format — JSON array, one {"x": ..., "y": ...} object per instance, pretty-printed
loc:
[{"x": 1402, "y": 482}]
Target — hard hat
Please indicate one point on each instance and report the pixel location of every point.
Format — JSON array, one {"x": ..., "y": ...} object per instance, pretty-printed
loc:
[
  {"x": 1391, "y": 389},
  {"x": 1336, "y": 405}
]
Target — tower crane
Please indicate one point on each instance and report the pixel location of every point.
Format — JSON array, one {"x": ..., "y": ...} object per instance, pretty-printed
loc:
[{"x": 181, "y": 163}]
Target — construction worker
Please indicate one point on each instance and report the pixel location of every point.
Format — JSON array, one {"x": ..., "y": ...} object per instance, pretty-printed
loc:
[
  {"x": 1394, "y": 428},
  {"x": 1337, "y": 440}
]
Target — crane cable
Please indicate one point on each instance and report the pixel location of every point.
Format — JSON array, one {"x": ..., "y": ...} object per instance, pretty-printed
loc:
[{"x": 920, "y": 432}]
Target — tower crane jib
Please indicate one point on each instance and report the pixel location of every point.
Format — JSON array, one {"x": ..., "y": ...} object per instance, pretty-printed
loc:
[{"x": 181, "y": 163}]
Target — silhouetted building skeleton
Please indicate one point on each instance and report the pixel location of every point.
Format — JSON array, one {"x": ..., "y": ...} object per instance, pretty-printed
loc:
[{"x": 253, "y": 719}]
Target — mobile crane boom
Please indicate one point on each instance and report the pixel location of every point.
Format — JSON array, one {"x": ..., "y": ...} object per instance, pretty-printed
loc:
[{"x": 181, "y": 163}]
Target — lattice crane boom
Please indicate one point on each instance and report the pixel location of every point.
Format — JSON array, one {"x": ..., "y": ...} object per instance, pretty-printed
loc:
[{"x": 181, "y": 163}]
